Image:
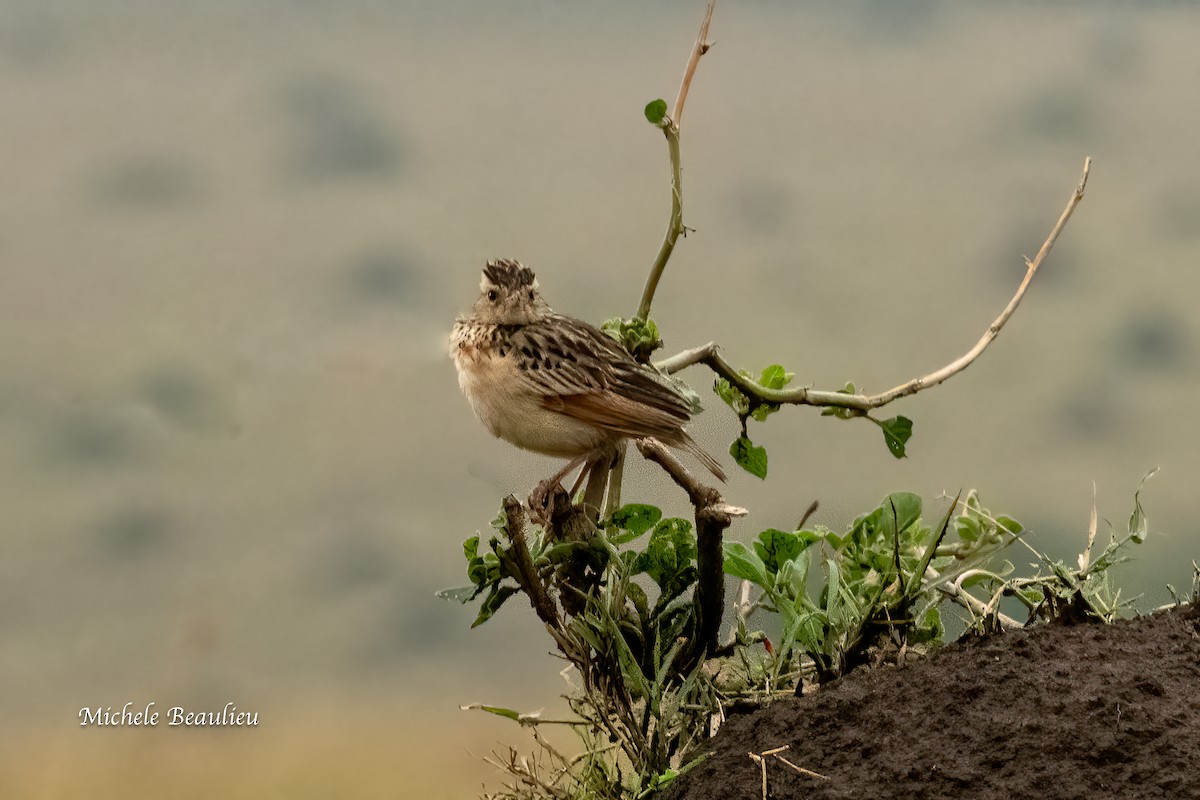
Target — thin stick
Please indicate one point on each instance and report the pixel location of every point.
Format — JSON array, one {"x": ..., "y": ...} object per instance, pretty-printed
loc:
[
  {"x": 710, "y": 356},
  {"x": 802, "y": 770},
  {"x": 762, "y": 765},
  {"x": 527, "y": 574},
  {"x": 700, "y": 48},
  {"x": 670, "y": 127}
]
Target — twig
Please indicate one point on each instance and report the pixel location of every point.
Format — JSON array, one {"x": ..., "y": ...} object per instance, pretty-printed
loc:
[
  {"x": 776, "y": 753},
  {"x": 808, "y": 512},
  {"x": 527, "y": 574},
  {"x": 670, "y": 128},
  {"x": 713, "y": 516},
  {"x": 761, "y": 760},
  {"x": 710, "y": 356},
  {"x": 700, "y": 48},
  {"x": 762, "y": 765}
]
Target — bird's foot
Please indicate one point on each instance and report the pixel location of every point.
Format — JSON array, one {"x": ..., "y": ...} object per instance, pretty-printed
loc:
[{"x": 544, "y": 499}]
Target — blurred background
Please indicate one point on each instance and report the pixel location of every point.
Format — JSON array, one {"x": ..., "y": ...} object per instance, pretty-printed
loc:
[{"x": 234, "y": 461}]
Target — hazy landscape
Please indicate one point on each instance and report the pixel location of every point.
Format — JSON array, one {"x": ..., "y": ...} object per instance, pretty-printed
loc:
[{"x": 234, "y": 459}]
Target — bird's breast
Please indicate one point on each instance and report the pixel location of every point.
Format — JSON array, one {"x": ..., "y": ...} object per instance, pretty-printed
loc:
[{"x": 490, "y": 378}]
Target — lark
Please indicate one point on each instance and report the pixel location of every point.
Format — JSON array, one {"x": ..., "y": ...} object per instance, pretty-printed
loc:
[{"x": 556, "y": 385}]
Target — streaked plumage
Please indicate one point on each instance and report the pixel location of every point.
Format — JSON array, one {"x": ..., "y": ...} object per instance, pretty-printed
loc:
[{"x": 555, "y": 385}]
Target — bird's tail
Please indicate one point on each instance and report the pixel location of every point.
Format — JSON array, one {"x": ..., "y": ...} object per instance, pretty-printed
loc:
[{"x": 690, "y": 444}]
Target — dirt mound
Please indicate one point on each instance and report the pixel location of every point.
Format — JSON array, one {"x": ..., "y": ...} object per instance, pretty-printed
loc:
[{"x": 1063, "y": 712}]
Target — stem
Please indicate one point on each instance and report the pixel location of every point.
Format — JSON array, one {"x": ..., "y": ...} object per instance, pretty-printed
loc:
[
  {"x": 713, "y": 516},
  {"x": 674, "y": 226},
  {"x": 670, "y": 128}
]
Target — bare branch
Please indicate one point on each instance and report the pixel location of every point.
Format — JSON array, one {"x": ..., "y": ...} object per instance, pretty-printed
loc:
[
  {"x": 527, "y": 575},
  {"x": 670, "y": 128},
  {"x": 700, "y": 48},
  {"x": 710, "y": 356}
]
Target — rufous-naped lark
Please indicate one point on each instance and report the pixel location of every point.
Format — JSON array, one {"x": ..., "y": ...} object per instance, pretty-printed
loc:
[{"x": 556, "y": 385}]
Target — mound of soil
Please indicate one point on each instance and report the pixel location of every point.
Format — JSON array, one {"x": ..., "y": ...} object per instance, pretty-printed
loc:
[{"x": 1063, "y": 712}]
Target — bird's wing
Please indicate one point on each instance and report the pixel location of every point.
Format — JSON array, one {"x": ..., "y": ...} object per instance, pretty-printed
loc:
[{"x": 583, "y": 373}]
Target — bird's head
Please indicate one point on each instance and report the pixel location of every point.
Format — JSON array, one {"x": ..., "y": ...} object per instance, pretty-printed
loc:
[{"x": 509, "y": 295}]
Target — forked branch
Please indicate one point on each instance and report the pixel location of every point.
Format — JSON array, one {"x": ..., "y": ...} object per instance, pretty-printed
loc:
[{"x": 710, "y": 355}]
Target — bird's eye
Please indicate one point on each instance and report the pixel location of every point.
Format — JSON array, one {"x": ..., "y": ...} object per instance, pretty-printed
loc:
[{"x": 491, "y": 295}]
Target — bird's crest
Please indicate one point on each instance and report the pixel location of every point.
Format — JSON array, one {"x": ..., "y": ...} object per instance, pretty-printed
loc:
[{"x": 507, "y": 273}]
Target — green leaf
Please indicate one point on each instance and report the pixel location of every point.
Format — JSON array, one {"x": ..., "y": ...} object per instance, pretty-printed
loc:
[
  {"x": 749, "y": 457},
  {"x": 479, "y": 570},
  {"x": 968, "y": 528},
  {"x": 1009, "y": 524},
  {"x": 918, "y": 575},
  {"x": 732, "y": 396},
  {"x": 670, "y": 556},
  {"x": 776, "y": 377},
  {"x": 776, "y": 547},
  {"x": 792, "y": 576},
  {"x": 833, "y": 590},
  {"x": 471, "y": 547},
  {"x": 622, "y": 537},
  {"x": 497, "y": 710},
  {"x": 636, "y": 518},
  {"x": 656, "y": 112},
  {"x": 659, "y": 782},
  {"x": 764, "y": 410},
  {"x": 586, "y": 626},
  {"x": 742, "y": 562},
  {"x": 461, "y": 594},
  {"x": 500, "y": 522},
  {"x": 640, "y": 602},
  {"x": 896, "y": 432},
  {"x": 492, "y": 603},
  {"x": 1138, "y": 523},
  {"x": 1033, "y": 595},
  {"x": 638, "y": 336},
  {"x": 635, "y": 679},
  {"x": 930, "y": 628},
  {"x": 906, "y": 507}
]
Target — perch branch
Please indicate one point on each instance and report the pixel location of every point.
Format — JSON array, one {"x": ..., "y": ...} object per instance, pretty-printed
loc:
[
  {"x": 710, "y": 355},
  {"x": 713, "y": 516},
  {"x": 670, "y": 128},
  {"x": 527, "y": 575}
]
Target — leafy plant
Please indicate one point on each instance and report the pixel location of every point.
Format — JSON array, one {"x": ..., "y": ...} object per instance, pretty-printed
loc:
[
  {"x": 877, "y": 587},
  {"x": 634, "y": 602},
  {"x": 630, "y": 634},
  {"x": 1058, "y": 591}
]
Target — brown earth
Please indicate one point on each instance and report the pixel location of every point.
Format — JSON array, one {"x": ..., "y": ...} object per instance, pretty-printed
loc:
[{"x": 1063, "y": 712}]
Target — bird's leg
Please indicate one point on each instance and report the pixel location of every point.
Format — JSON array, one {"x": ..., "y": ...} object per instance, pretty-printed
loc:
[
  {"x": 583, "y": 473},
  {"x": 539, "y": 500},
  {"x": 597, "y": 472}
]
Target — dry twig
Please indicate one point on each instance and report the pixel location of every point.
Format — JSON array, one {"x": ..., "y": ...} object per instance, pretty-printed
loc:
[
  {"x": 670, "y": 128},
  {"x": 526, "y": 574},
  {"x": 761, "y": 760},
  {"x": 710, "y": 355}
]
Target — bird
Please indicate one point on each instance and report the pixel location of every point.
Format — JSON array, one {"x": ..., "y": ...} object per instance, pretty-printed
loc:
[{"x": 556, "y": 385}]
